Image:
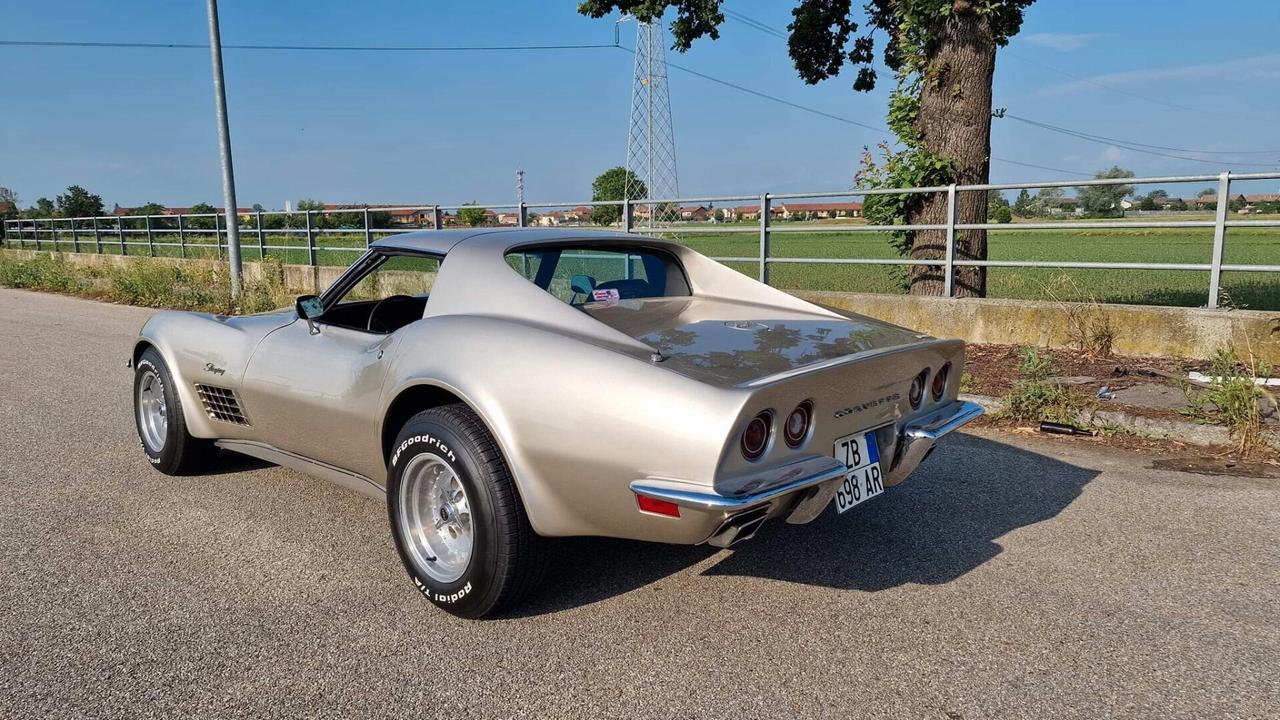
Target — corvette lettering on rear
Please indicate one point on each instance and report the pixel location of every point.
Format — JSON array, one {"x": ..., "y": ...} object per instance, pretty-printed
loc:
[{"x": 867, "y": 405}]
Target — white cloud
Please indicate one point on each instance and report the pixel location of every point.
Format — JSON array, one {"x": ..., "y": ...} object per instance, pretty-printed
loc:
[
  {"x": 1112, "y": 154},
  {"x": 1064, "y": 42},
  {"x": 1219, "y": 70}
]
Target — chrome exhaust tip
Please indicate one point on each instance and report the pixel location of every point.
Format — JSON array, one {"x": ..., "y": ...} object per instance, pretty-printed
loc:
[{"x": 737, "y": 528}]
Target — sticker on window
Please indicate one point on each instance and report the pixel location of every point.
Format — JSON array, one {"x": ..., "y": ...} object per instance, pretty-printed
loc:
[{"x": 609, "y": 296}]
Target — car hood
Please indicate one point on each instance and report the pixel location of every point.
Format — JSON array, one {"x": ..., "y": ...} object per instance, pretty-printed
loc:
[{"x": 727, "y": 342}]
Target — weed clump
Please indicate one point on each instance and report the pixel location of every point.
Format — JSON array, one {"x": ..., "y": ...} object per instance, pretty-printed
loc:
[{"x": 1035, "y": 396}]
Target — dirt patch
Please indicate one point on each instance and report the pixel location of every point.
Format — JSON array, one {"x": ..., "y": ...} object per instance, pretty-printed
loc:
[{"x": 1201, "y": 465}]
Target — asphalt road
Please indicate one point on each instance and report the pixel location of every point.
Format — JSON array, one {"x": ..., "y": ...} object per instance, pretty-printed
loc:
[{"x": 1010, "y": 578}]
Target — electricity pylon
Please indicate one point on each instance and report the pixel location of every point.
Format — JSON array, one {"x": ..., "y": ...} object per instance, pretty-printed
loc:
[{"x": 651, "y": 144}]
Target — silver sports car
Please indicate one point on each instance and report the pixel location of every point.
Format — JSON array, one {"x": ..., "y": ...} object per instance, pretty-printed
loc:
[{"x": 502, "y": 387}]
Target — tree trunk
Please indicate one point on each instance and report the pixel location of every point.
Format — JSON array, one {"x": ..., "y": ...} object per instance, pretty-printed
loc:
[{"x": 955, "y": 122}]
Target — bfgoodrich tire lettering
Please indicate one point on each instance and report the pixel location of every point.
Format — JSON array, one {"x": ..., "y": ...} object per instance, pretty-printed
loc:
[
  {"x": 505, "y": 559},
  {"x": 162, "y": 428}
]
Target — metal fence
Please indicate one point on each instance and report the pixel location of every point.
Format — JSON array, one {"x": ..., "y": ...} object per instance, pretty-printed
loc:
[{"x": 198, "y": 232}]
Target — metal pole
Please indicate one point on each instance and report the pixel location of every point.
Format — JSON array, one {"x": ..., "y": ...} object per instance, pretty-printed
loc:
[
  {"x": 437, "y": 218},
  {"x": 53, "y": 225},
  {"x": 151, "y": 240},
  {"x": 217, "y": 234},
  {"x": 764, "y": 238},
  {"x": 97, "y": 236},
  {"x": 37, "y": 231},
  {"x": 368, "y": 229},
  {"x": 124, "y": 249},
  {"x": 949, "y": 270},
  {"x": 1219, "y": 238},
  {"x": 262, "y": 235},
  {"x": 75, "y": 236},
  {"x": 311, "y": 242},
  {"x": 182, "y": 236},
  {"x": 627, "y": 215},
  {"x": 522, "y": 216},
  {"x": 224, "y": 146}
]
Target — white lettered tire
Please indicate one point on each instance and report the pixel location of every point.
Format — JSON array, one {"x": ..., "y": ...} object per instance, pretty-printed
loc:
[{"x": 456, "y": 517}]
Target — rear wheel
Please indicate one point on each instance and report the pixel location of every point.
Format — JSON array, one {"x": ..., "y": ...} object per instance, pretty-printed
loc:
[
  {"x": 162, "y": 428},
  {"x": 456, "y": 518}
]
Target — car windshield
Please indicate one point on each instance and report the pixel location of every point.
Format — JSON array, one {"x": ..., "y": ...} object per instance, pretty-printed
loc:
[{"x": 580, "y": 275}]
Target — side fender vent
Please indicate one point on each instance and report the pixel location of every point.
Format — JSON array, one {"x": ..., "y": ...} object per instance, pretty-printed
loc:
[{"x": 221, "y": 404}]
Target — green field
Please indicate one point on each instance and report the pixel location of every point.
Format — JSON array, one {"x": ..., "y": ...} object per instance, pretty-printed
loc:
[{"x": 1186, "y": 288}]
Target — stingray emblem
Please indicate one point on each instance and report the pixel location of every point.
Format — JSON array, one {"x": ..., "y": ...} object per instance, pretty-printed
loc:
[{"x": 210, "y": 367}]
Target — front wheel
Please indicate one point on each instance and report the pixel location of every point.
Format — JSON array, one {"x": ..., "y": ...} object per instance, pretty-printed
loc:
[
  {"x": 162, "y": 428},
  {"x": 456, "y": 518}
]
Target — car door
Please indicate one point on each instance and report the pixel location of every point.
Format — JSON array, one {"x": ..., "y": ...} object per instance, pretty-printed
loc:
[
  {"x": 317, "y": 395},
  {"x": 314, "y": 388}
]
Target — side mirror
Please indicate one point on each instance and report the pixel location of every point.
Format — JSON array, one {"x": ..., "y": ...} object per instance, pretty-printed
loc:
[
  {"x": 582, "y": 284},
  {"x": 309, "y": 308}
]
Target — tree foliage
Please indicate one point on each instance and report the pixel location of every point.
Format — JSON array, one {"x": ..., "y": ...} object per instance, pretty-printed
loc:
[
  {"x": 151, "y": 208},
  {"x": 78, "y": 202},
  {"x": 1105, "y": 200},
  {"x": 471, "y": 214},
  {"x": 612, "y": 185}
]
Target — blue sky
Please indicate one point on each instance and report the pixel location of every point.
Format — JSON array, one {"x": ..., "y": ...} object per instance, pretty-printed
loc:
[{"x": 137, "y": 125}]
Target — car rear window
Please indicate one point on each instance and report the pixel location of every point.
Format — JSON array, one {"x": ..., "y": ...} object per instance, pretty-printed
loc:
[{"x": 579, "y": 275}]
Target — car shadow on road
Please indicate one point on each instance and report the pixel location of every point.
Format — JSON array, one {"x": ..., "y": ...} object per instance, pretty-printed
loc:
[{"x": 939, "y": 525}]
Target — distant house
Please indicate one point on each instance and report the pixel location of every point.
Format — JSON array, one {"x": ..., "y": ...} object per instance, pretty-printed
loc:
[
  {"x": 1208, "y": 202},
  {"x": 7, "y": 207},
  {"x": 742, "y": 213},
  {"x": 697, "y": 213},
  {"x": 412, "y": 217},
  {"x": 551, "y": 219},
  {"x": 818, "y": 211},
  {"x": 1061, "y": 205},
  {"x": 508, "y": 218},
  {"x": 242, "y": 213}
]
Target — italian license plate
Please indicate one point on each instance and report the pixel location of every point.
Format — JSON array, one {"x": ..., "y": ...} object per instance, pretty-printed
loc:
[{"x": 863, "y": 480}]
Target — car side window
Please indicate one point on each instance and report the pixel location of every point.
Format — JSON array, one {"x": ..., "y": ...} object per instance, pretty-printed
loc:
[
  {"x": 388, "y": 297},
  {"x": 579, "y": 275},
  {"x": 412, "y": 275}
]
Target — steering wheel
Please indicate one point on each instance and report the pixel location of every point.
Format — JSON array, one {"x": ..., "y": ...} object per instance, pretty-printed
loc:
[{"x": 377, "y": 325}]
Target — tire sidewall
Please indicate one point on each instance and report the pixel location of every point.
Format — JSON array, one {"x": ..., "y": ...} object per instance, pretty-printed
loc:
[
  {"x": 151, "y": 360},
  {"x": 471, "y": 591}
]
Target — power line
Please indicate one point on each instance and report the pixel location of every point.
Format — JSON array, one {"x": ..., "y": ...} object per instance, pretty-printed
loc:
[
  {"x": 322, "y": 48},
  {"x": 756, "y": 24},
  {"x": 1146, "y": 145},
  {"x": 1107, "y": 88},
  {"x": 1127, "y": 145}
]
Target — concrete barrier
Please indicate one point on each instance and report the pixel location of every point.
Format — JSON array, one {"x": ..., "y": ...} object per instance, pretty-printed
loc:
[{"x": 1139, "y": 329}]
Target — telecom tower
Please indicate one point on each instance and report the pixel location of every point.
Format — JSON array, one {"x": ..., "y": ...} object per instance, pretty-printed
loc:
[{"x": 651, "y": 144}]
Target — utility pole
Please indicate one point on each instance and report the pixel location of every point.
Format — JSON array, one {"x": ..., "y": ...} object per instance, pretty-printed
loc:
[{"x": 224, "y": 146}]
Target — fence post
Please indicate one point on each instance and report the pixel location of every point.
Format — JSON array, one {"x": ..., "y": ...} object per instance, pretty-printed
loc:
[
  {"x": 311, "y": 242},
  {"x": 949, "y": 270},
  {"x": 437, "y": 218},
  {"x": 151, "y": 239},
  {"x": 764, "y": 238},
  {"x": 75, "y": 237},
  {"x": 124, "y": 249},
  {"x": 368, "y": 229},
  {"x": 182, "y": 236},
  {"x": 262, "y": 235},
  {"x": 217, "y": 233},
  {"x": 97, "y": 237},
  {"x": 1219, "y": 237},
  {"x": 627, "y": 215},
  {"x": 522, "y": 215},
  {"x": 53, "y": 230}
]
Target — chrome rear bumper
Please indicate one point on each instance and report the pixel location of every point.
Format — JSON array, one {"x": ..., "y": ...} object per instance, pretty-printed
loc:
[{"x": 812, "y": 482}]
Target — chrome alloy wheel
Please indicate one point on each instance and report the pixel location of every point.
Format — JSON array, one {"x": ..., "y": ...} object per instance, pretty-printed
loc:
[
  {"x": 435, "y": 518},
  {"x": 153, "y": 415}
]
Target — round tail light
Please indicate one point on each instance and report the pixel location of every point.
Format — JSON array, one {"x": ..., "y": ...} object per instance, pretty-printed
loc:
[
  {"x": 917, "y": 388},
  {"x": 940, "y": 381},
  {"x": 797, "y": 425},
  {"x": 755, "y": 438}
]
